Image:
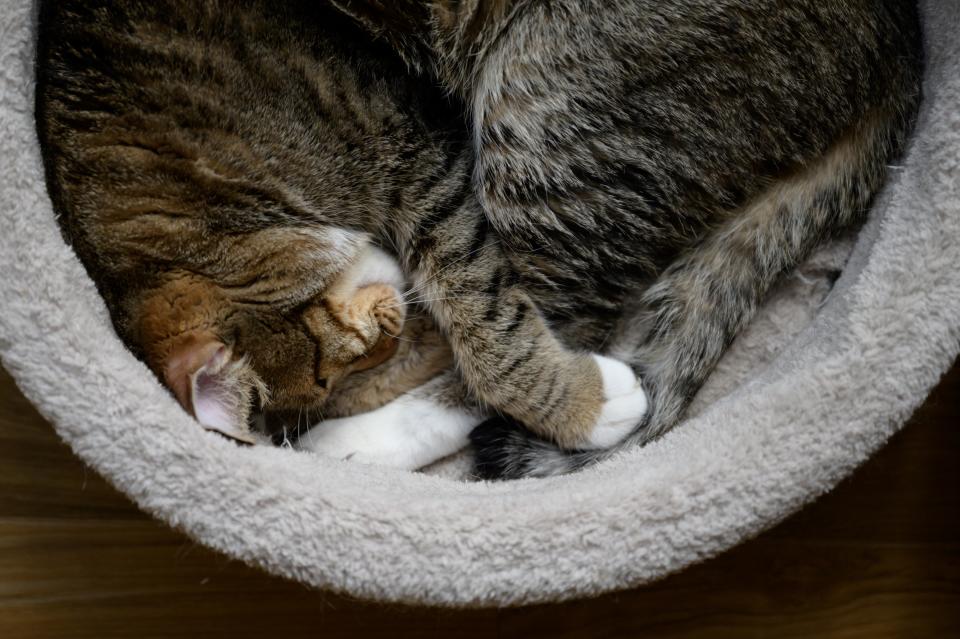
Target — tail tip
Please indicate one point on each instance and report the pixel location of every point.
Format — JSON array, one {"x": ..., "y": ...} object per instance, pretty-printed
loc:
[{"x": 490, "y": 460}]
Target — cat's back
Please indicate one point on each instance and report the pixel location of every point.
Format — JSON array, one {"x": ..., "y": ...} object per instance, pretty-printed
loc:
[
  {"x": 660, "y": 117},
  {"x": 175, "y": 77},
  {"x": 171, "y": 127},
  {"x": 696, "y": 104}
]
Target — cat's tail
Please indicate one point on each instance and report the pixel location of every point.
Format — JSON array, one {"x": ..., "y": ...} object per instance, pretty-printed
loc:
[
  {"x": 504, "y": 449},
  {"x": 697, "y": 306}
]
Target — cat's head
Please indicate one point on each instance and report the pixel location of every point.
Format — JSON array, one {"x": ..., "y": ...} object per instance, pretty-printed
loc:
[
  {"x": 221, "y": 352},
  {"x": 207, "y": 186}
]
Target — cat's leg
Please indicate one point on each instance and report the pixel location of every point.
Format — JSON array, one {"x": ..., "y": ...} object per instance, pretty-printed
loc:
[
  {"x": 699, "y": 304},
  {"x": 410, "y": 432},
  {"x": 504, "y": 349},
  {"x": 705, "y": 298}
]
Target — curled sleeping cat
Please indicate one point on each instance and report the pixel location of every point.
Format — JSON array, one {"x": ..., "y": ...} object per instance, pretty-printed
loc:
[
  {"x": 630, "y": 179},
  {"x": 434, "y": 418}
]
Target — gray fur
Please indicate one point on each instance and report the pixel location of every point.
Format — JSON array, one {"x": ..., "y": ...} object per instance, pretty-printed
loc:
[
  {"x": 695, "y": 150},
  {"x": 631, "y": 177}
]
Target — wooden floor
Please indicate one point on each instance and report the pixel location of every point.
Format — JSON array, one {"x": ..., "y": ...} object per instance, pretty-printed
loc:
[{"x": 879, "y": 557}]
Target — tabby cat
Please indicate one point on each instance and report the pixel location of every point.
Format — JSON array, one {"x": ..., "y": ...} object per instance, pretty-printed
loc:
[{"x": 630, "y": 178}]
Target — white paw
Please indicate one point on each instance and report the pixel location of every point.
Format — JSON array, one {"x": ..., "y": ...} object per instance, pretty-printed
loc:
[
  {"x": 408, "y": 433},
  {"x": 358, "y": 438},
  {"x": 625, "y": 405}
]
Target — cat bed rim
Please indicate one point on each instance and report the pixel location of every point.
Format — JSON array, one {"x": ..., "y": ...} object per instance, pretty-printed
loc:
[{"x": 745, "y": 463}]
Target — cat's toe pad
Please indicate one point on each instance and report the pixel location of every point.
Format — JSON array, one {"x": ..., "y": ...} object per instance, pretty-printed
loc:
[{"x": 624, "y": 406}]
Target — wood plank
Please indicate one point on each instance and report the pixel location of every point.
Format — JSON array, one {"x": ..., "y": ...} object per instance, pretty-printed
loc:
[
  {"x": 878, "y": 557},
  {"x": 775, "y": 589}
]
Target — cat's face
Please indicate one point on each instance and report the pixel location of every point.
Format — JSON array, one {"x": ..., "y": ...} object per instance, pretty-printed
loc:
[{"x": 219, "y": 356}]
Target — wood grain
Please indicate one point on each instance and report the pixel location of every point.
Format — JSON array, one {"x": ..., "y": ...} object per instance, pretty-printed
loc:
[{"x": 878, "y": 557}]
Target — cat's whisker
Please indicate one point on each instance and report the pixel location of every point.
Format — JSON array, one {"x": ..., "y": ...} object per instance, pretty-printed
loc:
[
  {"x": 421, "y": 300},
  {"x": 440, "y": 271},
  {"x": 399, "y": 337},
  {"x": 397, "y": 305},
  {"x": 437, "y": 299},
  {"x": 433, "y": 277}
]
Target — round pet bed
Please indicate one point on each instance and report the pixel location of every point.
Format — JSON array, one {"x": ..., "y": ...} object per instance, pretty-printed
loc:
[{"x": 790, "y": 432}]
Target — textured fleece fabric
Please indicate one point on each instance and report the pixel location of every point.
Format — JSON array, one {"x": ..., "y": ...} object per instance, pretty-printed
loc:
[{"x": 821, "y": 380}]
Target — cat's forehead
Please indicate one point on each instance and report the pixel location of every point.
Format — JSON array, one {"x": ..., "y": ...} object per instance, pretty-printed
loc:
[{"x": 269, "y": 263}]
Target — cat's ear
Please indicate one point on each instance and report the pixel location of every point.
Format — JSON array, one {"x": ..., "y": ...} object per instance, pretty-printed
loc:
[{"x": 210, "y": 384}]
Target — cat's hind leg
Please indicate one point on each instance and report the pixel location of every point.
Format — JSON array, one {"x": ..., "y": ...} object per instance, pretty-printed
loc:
[{"x": 700, "y": 303}]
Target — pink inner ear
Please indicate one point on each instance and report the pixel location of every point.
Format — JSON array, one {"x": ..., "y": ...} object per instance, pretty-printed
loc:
[
  {"x": 212, "y": 403},
  {"x": 199, "y": 374}
]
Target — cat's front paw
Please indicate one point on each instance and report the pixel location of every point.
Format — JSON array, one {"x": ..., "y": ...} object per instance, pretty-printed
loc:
[
  {"x": 361, "y": 438},
  {"x": 407, "y": 433},
  {"x": 624, "y": 406},
  {"x": 389, "y": 310}
]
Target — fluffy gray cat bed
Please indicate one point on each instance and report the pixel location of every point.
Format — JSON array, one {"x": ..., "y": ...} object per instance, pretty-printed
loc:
[{"x": 822, "y": 378}]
